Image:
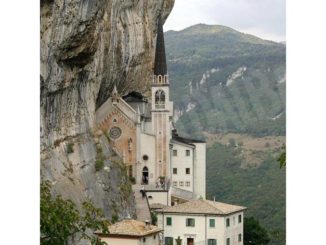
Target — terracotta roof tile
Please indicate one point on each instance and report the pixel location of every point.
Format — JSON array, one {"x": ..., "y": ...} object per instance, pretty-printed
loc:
[
  {"x": 157, "y": 206},
  {"x": 203, "y": 207},
  {"x": 131, "y": 228}
]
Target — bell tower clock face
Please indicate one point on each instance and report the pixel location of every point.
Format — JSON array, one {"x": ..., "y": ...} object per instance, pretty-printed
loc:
[{"x": 115, "y": 133}]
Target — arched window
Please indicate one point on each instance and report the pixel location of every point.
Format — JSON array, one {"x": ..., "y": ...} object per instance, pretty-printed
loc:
[
  {"x": 159, "y": 99},
  {"x": 145, "y": 176}
]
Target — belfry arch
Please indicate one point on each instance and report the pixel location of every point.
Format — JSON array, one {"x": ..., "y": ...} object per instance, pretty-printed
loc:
[{"x": 159, "y": 99}]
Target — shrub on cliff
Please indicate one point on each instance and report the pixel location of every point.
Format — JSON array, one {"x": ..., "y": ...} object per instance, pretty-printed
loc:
[{"x": 61, "y": 221}]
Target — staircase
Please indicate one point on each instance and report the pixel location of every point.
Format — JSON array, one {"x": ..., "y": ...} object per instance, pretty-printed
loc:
[{"x": 142, "y": 207}]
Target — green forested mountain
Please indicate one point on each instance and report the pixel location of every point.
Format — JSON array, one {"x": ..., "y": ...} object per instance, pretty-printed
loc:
[
  {"x": 229, "y": 87},
  {"x": 261, "y": 189},
  {"x": 226, "y": 81}
]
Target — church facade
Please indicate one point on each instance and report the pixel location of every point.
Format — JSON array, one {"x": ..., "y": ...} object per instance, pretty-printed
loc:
[{"x": 142, "y": 132}]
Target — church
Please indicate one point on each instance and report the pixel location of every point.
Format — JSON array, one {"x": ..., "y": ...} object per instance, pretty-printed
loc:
[
  {"x": 168, "y": 170},
  {"x": 141, "y": 130}
]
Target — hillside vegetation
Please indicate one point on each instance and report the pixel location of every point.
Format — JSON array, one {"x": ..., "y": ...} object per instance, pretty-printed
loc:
[
  {"x": 261, "y": 189},
  {"x": 229, "y": 88},
  {"x": 226, "y": 81}
]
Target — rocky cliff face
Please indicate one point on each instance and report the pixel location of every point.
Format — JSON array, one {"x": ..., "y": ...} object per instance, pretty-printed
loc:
[{"x": 87, "y": 46}]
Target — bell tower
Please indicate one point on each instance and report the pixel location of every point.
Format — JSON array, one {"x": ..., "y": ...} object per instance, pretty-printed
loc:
[{"x": 162, "y": 108}]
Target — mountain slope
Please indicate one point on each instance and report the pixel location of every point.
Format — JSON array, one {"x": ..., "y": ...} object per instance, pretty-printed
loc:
[
  {"x": 226, "y": 81},
  {"x": 229, "y": 88}
]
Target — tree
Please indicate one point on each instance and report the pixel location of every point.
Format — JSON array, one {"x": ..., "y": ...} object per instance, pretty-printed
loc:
[
  {"x": 278, "y": 237},
  {"x": 61, "y": 220},
  {"x": 254, "y": 234},
  {"x": 282, "y": 158}
]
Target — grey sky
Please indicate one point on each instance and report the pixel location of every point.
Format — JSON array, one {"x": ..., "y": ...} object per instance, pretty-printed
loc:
[{"x": 262, "y": 18}]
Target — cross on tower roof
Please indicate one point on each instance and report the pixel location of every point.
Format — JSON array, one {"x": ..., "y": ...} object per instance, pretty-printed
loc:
[{"x": 160, "y": 59}]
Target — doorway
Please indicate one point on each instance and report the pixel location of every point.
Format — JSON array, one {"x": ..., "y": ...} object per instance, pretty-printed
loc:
[
  {"x": 190, "y": 241},
  {"x": 145, "y": 176}
]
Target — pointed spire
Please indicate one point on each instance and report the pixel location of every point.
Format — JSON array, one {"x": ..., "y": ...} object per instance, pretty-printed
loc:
[
  {"x": 115, "y": 95},
  {"x": 115, "y": 91},
  {"x": 160, "y": 59}
]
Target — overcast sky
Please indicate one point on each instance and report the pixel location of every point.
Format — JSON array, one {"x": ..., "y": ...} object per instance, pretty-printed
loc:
[{"x": 262, "y": 18}]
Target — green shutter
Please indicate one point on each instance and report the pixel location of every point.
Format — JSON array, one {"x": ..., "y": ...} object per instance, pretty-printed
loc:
[
  {"x": 212, "y": 223},
  {"x": 168, "y": 221},
  {"x": 169, "y": 240},
  {"x": 211, "y": 241}
]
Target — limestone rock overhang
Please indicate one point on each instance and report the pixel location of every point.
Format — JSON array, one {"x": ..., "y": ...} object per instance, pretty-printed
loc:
[{"x": 134, "y": 96}]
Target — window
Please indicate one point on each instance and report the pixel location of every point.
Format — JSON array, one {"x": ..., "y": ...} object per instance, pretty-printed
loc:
[
  {"x": 187, "y": 153},
  {"x": 228, "y": 241},
  {"x": 175, "y": 183},
  {"x": 239, "y": 218},
  {"x": 144, "y": 239},
  {"x": 175, "y": 170},
  {"x": 159, "y": 99},
  {"x": 190, "y": 222},
  {"x": 211, "y": 241},
  {"x": 187, "y": 170},
  {"x": 227, "y": 222},
  {"x": 233, "y": 220},
  {"x": 181, "y": 183},
  {"x": 240, "y": 237},
  {"x": 168, "y": 221},
  {"x": 188, "y": 183},
  {"x": 130, "y": 144},
  {"x": 212, "y": 223},
  {"x": 115, "y": 133},
  {"x": 168, "y": 240},
  {"x": 175, "y": 153}
]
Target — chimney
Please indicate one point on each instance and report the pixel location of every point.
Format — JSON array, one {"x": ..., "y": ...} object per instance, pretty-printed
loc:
[{"x": 147, "y": 225}]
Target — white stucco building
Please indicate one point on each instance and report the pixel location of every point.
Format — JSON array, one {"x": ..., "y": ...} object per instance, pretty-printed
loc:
[{"x": 202, "y": 222}]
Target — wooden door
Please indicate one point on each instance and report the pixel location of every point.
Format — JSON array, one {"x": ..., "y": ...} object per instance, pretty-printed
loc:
[{"x": 190, "y": 241}]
